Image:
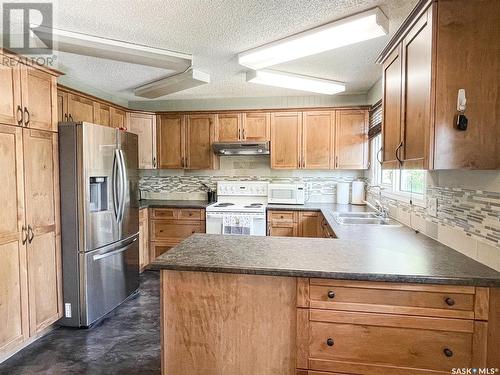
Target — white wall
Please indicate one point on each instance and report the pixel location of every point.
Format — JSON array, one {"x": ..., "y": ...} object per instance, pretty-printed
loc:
[{"x": 250, "y": 103}]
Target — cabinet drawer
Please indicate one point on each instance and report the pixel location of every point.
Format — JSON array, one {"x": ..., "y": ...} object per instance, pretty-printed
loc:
[
  {"x": 167, "y": 230},
  {"x": 164, "y": 213},
  {"x": 191, "y": 214},
  {"x": 282, "y": 216},
  {"x": 408, "y": 299},
  {"x": 364, "y": 343}
]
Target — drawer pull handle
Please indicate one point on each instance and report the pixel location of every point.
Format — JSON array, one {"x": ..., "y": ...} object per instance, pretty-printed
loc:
[
  {"x": 448, "y": 352},
  {"x": 331, "y": 294},
  {"x": 330, "y": 342},
  {"x": 449, "y": 301}
]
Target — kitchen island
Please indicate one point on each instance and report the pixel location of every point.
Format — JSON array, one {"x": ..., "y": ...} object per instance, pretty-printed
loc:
[{"x": 384, "y": 301}]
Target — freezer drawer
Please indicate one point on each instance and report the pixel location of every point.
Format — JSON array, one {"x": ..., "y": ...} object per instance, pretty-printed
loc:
[{"x": 110, "y": 276}]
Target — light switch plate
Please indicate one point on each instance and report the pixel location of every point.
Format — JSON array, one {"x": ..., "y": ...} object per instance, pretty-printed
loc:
[{"x": 432, "y": 207}]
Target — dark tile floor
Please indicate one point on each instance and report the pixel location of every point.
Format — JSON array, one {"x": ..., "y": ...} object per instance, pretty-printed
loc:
[{"x": 127, "y": 341}]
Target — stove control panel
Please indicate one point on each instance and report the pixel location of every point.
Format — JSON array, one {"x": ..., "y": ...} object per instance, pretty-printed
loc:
[{"x": 242, "y": 188}]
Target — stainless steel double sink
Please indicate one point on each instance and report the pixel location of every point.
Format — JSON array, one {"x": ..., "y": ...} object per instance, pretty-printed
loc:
[{"x": 363, "y": 218}]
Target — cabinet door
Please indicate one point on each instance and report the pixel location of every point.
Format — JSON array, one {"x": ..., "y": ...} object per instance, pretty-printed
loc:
[
  {"x": 391, "y": 107},
  {"x": 351, "y": 139},
  {"x": 102, "y": 114},
  {"x": 143, "y": 239},
  {"x": 62, "y": 106},
  {"x": 309, "y": 224},
  {"x": 158, "y": 248},
  {"x": 199, "y": 138},
  {"x": 10, "y": 92},
  {"x": 256, "y": 127},
  {"x": 317, "y": 148},
  {"x": 283, "y": 230},
  {"x": 118, "y": 118},
  {"x": 229, "y": 127},
  {"x": 170, "y": 142},
  {"x": 144, "y": 125},
  {"x": 14, "y": 328},
  {"x": 417, "y": 56},
  {"x": 80, "y": 108},
  {"x": 286, "y": 129},
  {"x": 42, "y": 216},
  {"x": 39, "y": 96}
]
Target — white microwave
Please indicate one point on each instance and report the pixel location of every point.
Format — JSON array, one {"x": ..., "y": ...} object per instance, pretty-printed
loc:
[{"x": 286, "y": 193}]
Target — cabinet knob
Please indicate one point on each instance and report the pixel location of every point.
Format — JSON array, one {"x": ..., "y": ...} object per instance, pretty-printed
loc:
[
  {"x": 193, "y": 232},
  {"x": 448, "y": 352},
  {"x": 329, "y": 342},
  {"x": 331, "y": 294},
  {"x": 449, "y": 301},
  {"x": 282, "y": 217}
]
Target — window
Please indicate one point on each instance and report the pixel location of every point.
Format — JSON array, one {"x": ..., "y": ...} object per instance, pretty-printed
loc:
[{"x": 403, "y": 185}]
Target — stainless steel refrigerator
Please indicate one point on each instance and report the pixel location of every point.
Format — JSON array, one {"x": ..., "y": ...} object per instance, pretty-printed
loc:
[{"x": 99, "y": 220}]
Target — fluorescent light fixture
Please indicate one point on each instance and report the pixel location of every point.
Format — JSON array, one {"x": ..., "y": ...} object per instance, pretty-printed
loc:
[
  {"x": 362, "y": 26},
  {"x": 295, "y": 82},
  {"x": 179, "y": 82},
  {"x": 89, "y": 45}
]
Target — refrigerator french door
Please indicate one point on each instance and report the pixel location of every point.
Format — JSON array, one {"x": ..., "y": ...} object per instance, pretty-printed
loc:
[{"x": 99, "y": 220}]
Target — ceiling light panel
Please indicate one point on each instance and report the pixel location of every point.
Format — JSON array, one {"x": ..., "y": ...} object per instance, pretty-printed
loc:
[
  {"x": 360, "y": 27},
  {"x": 179, "y": 82},
  {"x": 295, "y": 82}
]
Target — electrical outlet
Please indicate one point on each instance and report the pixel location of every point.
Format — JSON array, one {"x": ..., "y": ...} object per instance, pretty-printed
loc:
[
  {"x": 67, "y": 310},
  {"x": 432, "y": 207}
]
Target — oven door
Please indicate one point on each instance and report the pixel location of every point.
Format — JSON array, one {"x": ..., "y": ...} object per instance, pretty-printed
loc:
[{"x": 215, "y": 222}]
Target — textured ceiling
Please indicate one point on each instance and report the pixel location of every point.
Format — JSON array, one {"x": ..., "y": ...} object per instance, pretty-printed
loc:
[{"x": 215, "y": 31}]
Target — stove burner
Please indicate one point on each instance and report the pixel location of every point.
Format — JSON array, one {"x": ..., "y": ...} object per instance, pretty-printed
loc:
[{"x": 224, "y": 204}]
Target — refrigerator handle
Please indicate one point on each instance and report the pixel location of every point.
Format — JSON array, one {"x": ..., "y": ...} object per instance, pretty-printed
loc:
[
  {"x": 114, "y": 184},
  {"x": 114, "y": 252},
  {"x": 123, "y": 184}
]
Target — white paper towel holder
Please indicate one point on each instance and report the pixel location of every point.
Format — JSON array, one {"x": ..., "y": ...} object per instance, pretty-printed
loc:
[{"x": 358, "y": 193}]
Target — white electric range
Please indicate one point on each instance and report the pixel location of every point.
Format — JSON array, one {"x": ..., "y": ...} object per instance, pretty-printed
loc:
[{"x": 240, "y": 209}]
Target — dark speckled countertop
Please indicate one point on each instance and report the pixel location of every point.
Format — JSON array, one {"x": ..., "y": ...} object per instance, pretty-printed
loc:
[
  {"x": 159, "y": 203},
  {"x": 361, "y": 252}
]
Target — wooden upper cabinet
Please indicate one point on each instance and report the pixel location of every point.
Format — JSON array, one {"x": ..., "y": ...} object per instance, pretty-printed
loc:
[
  {"x": 317, "y": 139},
  {"x": 286, "y": 129},
  {"x": 391, "y": 107},
  {"x": 417, "y": 60},
  {"x": 351, "y": 139},
  {"x": 102, "y": 114},
  {"x": 11, "y": 111},
  {"x": 199, "y": 139},
  {"x": 42, "y": 217},
  {"x": 144, "y": 125},
  {"x": 170, "y": 141},
  {"x": 420, "y": 98},
  {"x": 39, "y": 97},
  {"x": 461, "y": 26},
  {"x": 62, "y": 106},
  {"x": 118, "y": 118},
  {"x": 256, "y": 126},
  {"x": 229, "y": 127},
  {"x": 80, "y": 108},
  {"x": 13, "y": 279}
]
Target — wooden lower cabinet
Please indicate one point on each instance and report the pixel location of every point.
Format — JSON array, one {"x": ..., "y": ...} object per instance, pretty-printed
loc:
[
  {"x": 356, "y": 327},
  {"x": 294, "y": 223},
  {"x": 170, "y": 226},
  {"x": 30, "y": 270},
  {"x": 14, "y": 328},
  {"x": 143, "y": 239}
]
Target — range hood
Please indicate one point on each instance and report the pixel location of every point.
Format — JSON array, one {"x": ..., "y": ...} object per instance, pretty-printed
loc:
[{"x": 241, "y": 148}]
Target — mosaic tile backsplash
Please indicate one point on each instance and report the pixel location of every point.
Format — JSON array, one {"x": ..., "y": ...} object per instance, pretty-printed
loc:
[
  {"x": 474, "y": 212},
  {"x": 318, "y": 188}
]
